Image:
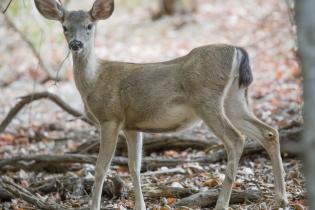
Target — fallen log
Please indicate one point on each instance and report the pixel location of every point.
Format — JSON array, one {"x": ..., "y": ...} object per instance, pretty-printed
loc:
[
  {"x": 152, "y": 144},
  {"x": 171, "y": 192},
  {"x": 209, "y": 198}
]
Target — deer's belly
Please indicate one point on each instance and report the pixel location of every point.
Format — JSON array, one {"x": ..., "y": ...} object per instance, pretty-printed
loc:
[{"x": 166, "y": 119}]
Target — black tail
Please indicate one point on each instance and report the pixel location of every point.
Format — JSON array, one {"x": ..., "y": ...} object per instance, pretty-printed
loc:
[{"x": 245, "y": 72}]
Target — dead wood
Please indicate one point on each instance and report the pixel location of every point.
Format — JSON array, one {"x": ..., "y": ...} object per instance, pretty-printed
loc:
[
  {"x": 17, "y": 191},
  {"x": 171, "y": 192},
  {"x": 209, "y": 198},
  {"x": 36, "y": 96},
  {"x": 113, "y": 186},
  {"x": 152, "y": 144},
  {"x": 12, "y": 190}
]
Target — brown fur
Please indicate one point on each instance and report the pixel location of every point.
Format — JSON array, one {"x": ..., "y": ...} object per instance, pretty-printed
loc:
[{"x": 208, "y": 84}]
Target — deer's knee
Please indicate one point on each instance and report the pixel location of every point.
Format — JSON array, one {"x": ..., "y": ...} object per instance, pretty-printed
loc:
[{"x": 271, "y": 137}]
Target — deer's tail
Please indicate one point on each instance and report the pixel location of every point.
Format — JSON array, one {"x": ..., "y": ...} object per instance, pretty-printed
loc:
[{"x": 245, "y": 71}]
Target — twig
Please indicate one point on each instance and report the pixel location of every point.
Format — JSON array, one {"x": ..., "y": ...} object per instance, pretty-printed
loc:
[
  {"x": 60, "y": 67},
  {"x": 7, "y": 7},
  {"x": 155, "y": 173},
  {"x": 168, "y": 171},
  {"x": 36, "y": 96},
  {"x": 43, "y": 64}
]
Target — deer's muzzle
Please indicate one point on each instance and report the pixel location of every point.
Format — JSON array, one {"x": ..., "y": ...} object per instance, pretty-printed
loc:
[{"x": 75, "y": 45}]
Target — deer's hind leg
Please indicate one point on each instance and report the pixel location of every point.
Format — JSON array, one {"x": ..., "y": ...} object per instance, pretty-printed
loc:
[
  {"x": 238, "y": 111},
  {"x": 211, "y": 110}
]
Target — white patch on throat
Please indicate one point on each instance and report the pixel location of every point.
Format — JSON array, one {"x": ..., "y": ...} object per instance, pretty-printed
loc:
[{"x": 85, "y": 71}]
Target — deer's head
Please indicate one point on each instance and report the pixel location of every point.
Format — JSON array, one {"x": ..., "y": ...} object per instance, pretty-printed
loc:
[{"x": 78, "y": 26}]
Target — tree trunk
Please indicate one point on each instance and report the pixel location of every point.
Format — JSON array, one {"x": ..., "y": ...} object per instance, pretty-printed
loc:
[
  {"x": 172, "y": 7},
  {"x": 305, "y": 19}
]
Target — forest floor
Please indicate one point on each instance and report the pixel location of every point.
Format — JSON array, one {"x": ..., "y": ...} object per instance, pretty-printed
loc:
[{"x": 263, "y": 27}]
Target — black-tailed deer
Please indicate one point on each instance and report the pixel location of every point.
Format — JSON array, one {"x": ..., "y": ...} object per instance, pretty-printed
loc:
[{"x": 208, "y": 84}]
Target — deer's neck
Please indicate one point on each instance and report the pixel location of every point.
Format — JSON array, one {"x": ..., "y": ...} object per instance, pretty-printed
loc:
[{"x": 85, "y": 67}]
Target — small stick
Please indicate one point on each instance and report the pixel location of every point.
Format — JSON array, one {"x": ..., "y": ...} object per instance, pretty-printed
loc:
[{"x": 7, "y": 7}]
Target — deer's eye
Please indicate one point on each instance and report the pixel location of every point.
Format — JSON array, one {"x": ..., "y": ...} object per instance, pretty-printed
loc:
[
  {"x": 90, "y": 26},
  {"x": 65, "y": 29}
]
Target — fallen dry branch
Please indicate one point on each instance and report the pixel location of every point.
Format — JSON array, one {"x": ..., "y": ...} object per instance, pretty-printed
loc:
[
  {"x": 12, "y": 190},
  {"x": 171, "y": 192},
  {"x": 152, "y": 144},
  {"x": 209, "y": 198},
  {"x": 17, "y": 191},
  {"x": 113, "y": 186},
  {"x": 37, "y": 96}
]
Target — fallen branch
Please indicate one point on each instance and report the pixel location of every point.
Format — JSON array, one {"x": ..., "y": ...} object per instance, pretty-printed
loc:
[
  {"x": 152, "y": 144},
  {"x": 17, "y": 191},
  {"x": 36, "y": 96},
  {"x": 209, "y": 198},
  {"x": 171, "y": 192},
  {"x": 113, "y": 186},
  {"x": 12, "y": 190},
  {"x": 167, "y": 171}
]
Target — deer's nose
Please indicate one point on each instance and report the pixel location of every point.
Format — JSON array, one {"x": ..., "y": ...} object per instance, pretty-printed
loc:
[{"x": 75, "y": 45}]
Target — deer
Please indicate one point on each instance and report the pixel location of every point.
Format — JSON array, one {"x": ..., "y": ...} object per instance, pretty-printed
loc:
[{"x": 208, "y": 84}]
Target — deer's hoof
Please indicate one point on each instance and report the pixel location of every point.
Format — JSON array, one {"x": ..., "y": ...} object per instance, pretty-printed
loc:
[{"x": 282, "y": 202}]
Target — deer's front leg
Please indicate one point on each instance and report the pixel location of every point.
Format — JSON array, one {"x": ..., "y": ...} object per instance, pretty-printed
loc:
[
  {"x": 108, "y": 141},
  {"x": 134, "y": 141}
]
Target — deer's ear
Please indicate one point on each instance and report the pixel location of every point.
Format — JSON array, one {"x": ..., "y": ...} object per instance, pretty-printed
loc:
[
  {"x": 50, "y": 9},
  {"x": 102, "y": 9}
]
